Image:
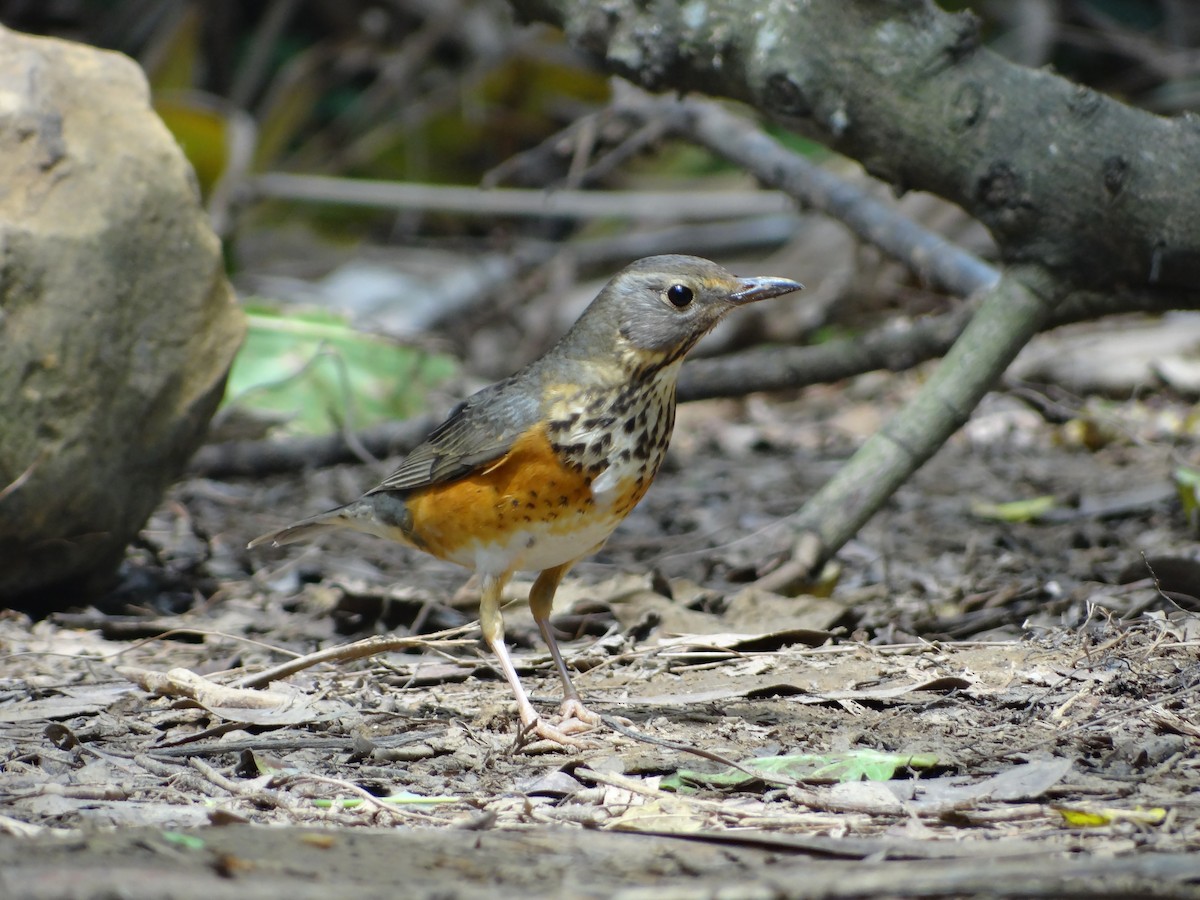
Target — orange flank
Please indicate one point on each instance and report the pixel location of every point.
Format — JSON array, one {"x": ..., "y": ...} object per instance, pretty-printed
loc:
[{"x": 528, "y": 489}]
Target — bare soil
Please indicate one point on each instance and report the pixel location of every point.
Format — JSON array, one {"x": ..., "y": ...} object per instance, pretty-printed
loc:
[{"x": 1043, "y": 672}]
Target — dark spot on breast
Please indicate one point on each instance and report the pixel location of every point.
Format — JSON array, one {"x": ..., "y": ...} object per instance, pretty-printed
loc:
[
  {"x": 557, "y": 426},
  {"x": 624, "y": 455},
  {"x": 563, "y": 500},
  {"x": 630, "y": 425}
]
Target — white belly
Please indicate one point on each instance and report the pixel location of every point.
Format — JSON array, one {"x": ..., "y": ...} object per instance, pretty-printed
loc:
[{"x": 536, "y": 548}]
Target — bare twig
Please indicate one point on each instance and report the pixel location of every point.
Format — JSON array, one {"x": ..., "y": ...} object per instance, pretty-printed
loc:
[
  {"x": 16, "y": 483},
  {"x": 395, "y": 80},
  {"x": 260, "y": 796},
  {"x": 1010, "y": 313},
  {"x": 891, "y": 347},
  {"x": 702, "y": 238},
  {"x": 256, "y": 458},
  {"x": 541, "y": 165},
  {"x": 647, "y": 205},
  {"x": 371, "y": 646},
  {"x": 259, "y": 54}
]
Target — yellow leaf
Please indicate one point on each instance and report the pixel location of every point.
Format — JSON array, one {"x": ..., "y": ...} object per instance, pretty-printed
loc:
[
  {"x": 1098, "y": 818},
  {"x": 1015, "y": 511}
]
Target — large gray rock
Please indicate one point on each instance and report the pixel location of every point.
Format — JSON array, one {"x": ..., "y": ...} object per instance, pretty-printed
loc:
[{"x": 117, "y": 326}]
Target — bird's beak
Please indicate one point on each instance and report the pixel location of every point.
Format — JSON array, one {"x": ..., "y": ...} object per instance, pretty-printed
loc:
[{"x": 762, "y": 288}]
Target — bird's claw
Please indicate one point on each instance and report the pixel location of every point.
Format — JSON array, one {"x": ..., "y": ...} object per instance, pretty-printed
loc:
[
  {"x": 575, "y": 716},
  {"x": 539, "y": 735},
  {"x": 573, "y": 720}
]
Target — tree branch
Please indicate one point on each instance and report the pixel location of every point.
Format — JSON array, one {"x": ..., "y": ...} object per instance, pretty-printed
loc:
[
  {"x": 782, "y": 368},
  {"x": 233, "y": 459},
  {"x": 1095, "y": 191},
  {"x": 931, "y": 257},
  {"x": 1008, "y": 316},
  {"x": 472, "y": 201}
]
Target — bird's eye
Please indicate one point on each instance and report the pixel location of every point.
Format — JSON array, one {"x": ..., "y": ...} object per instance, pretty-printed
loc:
[{"x": 680, "y": 295}]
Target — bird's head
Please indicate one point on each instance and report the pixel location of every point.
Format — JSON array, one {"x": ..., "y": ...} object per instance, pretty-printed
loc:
[{"x": 654, "y": 311}]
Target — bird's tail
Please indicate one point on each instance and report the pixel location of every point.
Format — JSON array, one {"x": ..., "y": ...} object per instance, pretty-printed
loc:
[
  {"x": 381, "y": 514},
  {"x": 299, "y": 531}
]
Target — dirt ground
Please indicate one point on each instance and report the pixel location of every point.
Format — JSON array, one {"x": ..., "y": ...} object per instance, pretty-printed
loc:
[{"x": 1031, "y": 683}]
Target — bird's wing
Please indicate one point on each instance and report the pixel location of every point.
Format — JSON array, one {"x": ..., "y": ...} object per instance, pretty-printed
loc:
[{"x": 482, "y": 428}]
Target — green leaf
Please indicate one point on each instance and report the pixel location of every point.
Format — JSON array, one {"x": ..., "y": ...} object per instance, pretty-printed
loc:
[
  {"x": 186, "y": 841},
  {"x": 1187, "y": 487},
  {"x": 316, "y": 374},
  {"x": 1015, "y": 511},
  {"x": 853, "y": 765}
]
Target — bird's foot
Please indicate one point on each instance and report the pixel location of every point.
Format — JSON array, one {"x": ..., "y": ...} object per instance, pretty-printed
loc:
[
  {"x": 575, "y": 718},
  {"x": 539, "y": 735}
]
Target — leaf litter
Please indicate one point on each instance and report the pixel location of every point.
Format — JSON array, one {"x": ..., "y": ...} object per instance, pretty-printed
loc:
[{"x": 304, "y": 692}]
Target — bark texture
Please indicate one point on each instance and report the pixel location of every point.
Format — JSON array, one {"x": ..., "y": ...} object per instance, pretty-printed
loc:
[{"x": 1099, "y": 193}]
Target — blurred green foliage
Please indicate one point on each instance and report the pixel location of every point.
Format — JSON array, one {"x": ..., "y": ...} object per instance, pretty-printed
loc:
[{"x": 313, "y": 373}]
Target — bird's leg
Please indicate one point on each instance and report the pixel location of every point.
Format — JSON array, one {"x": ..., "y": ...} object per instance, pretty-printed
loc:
[
  {"x": 492, "y": 624},
  {"x": 575, "y": 716}
]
